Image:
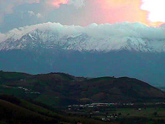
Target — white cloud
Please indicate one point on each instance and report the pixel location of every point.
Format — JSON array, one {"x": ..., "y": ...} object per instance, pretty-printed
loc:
[
  {"x": 31, "y": 13},
  {"x": 39, "y": 15},
  {"x": 155, "y": 8},
  {"x": 124, "y": 29}
]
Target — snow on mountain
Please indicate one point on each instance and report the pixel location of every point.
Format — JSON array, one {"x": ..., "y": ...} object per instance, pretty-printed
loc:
[{"x": 104, "y": 37}]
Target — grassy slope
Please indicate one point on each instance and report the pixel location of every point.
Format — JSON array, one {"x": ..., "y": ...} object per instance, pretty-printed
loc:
[{"x": 63, "y": 89}]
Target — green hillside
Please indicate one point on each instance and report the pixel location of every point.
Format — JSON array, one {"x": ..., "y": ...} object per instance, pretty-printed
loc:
[{"x": 59, "y": 89}]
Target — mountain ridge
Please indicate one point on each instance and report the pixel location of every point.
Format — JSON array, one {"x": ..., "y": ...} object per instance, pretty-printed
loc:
[
  {"x": 102, "y": 38},
  {"x": 121, "y": 49}
]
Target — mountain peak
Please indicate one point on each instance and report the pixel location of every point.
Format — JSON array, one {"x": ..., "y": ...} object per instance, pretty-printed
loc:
[{"x": 104, "y": 37}]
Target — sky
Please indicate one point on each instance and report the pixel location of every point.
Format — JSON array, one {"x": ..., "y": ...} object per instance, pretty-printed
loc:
[{"x": 18, "y": 13}]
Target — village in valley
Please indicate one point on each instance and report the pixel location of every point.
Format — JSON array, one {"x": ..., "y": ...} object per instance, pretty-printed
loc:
[{"x": 115, "y": 111}]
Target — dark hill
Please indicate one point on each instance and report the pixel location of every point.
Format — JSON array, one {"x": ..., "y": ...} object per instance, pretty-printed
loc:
[
  {"x": 58, "y": 89},
  {"x": 18, "y": 111}
]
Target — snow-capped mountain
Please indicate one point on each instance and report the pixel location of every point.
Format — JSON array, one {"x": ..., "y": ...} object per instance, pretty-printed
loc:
[
  {"x": 123, "y": 49},
  {"x": 107, "y": 37}
]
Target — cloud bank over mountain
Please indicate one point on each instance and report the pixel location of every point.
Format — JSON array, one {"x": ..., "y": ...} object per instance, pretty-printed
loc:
[{"x": 103, "y": 37}]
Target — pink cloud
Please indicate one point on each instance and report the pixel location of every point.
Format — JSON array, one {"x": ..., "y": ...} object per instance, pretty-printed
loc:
[{"x": 57, "y": 3}]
